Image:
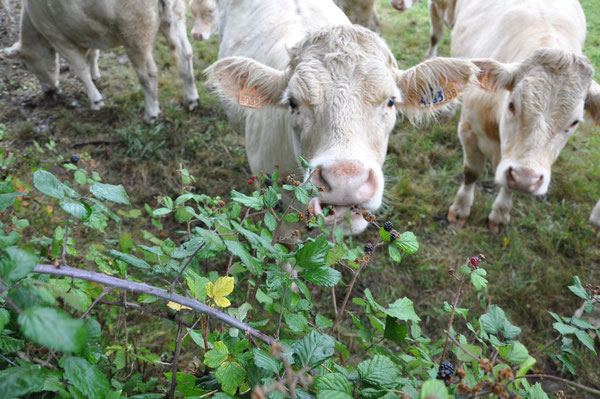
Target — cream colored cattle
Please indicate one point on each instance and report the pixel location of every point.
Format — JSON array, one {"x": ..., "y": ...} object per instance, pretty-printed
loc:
[
  {"x": 360, "y": 12},
  {"x": 300, "y": 79},
  {"x": 441, "y": 13},
  {"x": 402, "y": 5},
  {"x": 205, "y": 18},
  {"x": 74, "y": 29},
  {"x": 536, "y": 86}
]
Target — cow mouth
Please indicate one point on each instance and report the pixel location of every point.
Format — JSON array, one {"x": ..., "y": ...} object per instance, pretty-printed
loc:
[{"x": 337, "y": 214}]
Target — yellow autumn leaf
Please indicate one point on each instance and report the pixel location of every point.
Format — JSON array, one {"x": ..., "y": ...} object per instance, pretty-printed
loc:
[
  {"x": 217, "y": 291},
  {"x": 176, "y": 306}
]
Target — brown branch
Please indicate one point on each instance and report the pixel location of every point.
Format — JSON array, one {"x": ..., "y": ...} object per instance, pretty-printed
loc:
[
  {"x": 460, "y": 346},
  {"x": 63, "y": 257},
  {"x": 551, "y": 377},
  {"x": 178, "y": 342},
  {"x": 98, "y": 299},
  {"x": 154, "y": 291},
  {"x": 454, "y": 304}
]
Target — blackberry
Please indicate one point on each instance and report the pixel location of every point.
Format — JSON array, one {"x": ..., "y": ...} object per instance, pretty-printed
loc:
[
  {"x": 445, "y": 372},
  {"x": 279, "y": 206},
  {"x": 388, "y": 226},
  {"x": 268, "y": 182},
  {"x": 74, "y": 158},
  {"x": 393, "y": 235},
  {"x": 369, "y": 248}
]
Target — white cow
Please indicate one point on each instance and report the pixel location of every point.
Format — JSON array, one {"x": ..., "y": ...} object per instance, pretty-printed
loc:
[
  {"x": 534, "y": 94},
  {"x": 299, "y": 79},
  {"x": 205, "y": 18},
  {"x": 402, "y": 5},
  {"x": 74, "y": 29},
  {"x": 360, "y": 12},
  {"x": 441, "y": 13}
]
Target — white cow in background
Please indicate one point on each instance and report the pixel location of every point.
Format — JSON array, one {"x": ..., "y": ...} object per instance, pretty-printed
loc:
[
  {"x": 205, "y": 14},
  {"x": 402, "y": 5},
  {"x": 302, "y": 80},
  {"x": 360, "y": 12},
  {"x": 533, "y": 96},
  {"x": 75, "y": 30}
]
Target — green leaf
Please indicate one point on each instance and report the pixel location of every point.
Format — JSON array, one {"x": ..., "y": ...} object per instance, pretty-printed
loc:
[
  {"x": 516, "y": 353},
  {"x": 48, "y": 184},
  {"x": 394, "y": 253},
  {"x": 129, "y": 259},
  {"x": 304, "y": 163},
  {"x": 408, "y": 242},
  {"x": 7, "y": 200},
  {"x": 270, "y": 198},
  {"x": 79, "y": 209},
  {"x": 9, "y": 240},
  {"x": 433, "y": 389},
  {"x": 313, "y": 349},
  {"x": 333, "y": 386},
  {"x": 217, "y": 355},
  {"x": 295, "y": 321},
  {"x": 402, "y": 309},
  {"x": 313, "y": 254},
  {"x": 585, "y": 339},
  {"x": 230, "y": 375},
  {"x": 19, "y": 381},
  {"x": 196, "y": 336},
  {"x": 10, "y": 344},
  {"x": 379, "y": 372},
  {"x": 495, "y": 321},
  {"x": 161, "y": 212},
  {"x": 265, "y": 361},
  {"x": 80, "y": 177},
  {"x": 86, "y": 378},
  {"x": 462, "y": 355},
  {"x": 270, "y": 222},
  {"x": 250, "y": 202},
  {"x": 325, "y": 276},
  {"x": 237, "y": 248},
  {"x": 393, "y": 331},
  {"x": 578, "y": 289},
  {"x": 16, "y": 264},
  {"x": 53, "y": 328},
  {"x": 126, "y": 243},
  {"x": 564, "y": 329},
  {"x": 110, "y": 192},
  {"x": 536, "y": 392},
  {"x": 477, "y": 279},
  {"x": 4, "y": 318},
  {"x": 197, "y": 286},
  {"x": 291, "y": 218},
  {"x": 301, "y": 195}
]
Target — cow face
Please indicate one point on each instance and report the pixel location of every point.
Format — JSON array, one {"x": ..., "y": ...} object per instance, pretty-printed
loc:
[
  {"x": 402, "y": 5},
  {"x": 205, "y": 18},
  {"x": 547, "y": 95},
  {"x": 339, "y": 96}
]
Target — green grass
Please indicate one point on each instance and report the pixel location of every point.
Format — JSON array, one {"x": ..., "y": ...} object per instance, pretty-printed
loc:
[{"x": 547, "y": 242}]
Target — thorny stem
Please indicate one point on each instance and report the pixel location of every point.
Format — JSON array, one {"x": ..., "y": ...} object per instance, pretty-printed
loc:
[
  {"x": 454, "y": 304},
  {"x": 186, "y": 265},
  {"x": 143, "y": 309},
  {"x": 455, "y": 341},
  {"x": 281, "y": 313},
  {"x": 178, "y": 342},
  {"x": 98, "y": 299},
  {"x": 154, "y": 291}
]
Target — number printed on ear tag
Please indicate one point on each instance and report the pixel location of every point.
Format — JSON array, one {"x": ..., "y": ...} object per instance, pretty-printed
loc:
[
  {"x": 440, "y": 95},
  {"x": 248, "y": 98}
]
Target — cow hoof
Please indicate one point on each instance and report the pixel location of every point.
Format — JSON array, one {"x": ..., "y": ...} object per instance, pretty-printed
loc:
[
  {"x": 457, "y": 221},
  {"x": 151, "y": 120},
  {"x": 496, "y": 228},
  {"x": 97, "y": 105}
]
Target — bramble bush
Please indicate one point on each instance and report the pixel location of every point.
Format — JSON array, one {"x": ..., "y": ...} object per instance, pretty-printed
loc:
[{"x": 244, "y": 291}]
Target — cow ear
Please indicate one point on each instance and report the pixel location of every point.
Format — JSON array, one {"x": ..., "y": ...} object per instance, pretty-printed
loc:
[
  {"x": 246, "y": 82},
  {"x": 592, "y": 102},
  {"x": 433, "y": 83},
  {"x": 494, "y": 75}
]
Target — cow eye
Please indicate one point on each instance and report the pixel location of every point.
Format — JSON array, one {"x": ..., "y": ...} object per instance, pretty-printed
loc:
[
  {"x": 391, "y": 102},
  {"x": 575, "y": 122},
  {"x": 511, "y": 107},
  {"x": 293, "y": 104}
]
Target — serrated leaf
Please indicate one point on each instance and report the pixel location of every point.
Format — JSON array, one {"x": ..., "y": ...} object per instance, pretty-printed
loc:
[
  {"x": 379, "y": 372},
  {"x": 295, "y": 321},
  {"x": 217, "y": 355},
  {"x": 265, "y": 361},
  {"x": 578, "y": 289},
  {"x": 270, "y": 222},
  {"x": 394, "y": 253},
  {"x": 313, "y": 254},
  {"x": 80, "y": 177},
  {"x": 433, "y": 389},
  {"x": 4, "y": 318},
  {"x": 250, "y": 202},
  {"x": 20, "y": 381},
  {"x": 47, "y": 184},
  {"x": 402, "y": 309},
  {"x": 270, "y": 198},
  {"x": 79, "y": 209},
  {"x": 536, "y": 392},
  {"x": 495, "y": 321},
  {"x": 230, "y": 375},
  {"x": 313, "y": 349},
  {"x": 301, "y": 195},
  {"x": 16, "y": 264},
  {"x": 291, "y": 218},
  {"x": 53, "y": 328},
  {"x": 477, "y": 279},
  {"x": 564, "y": 329},
  {"x": 462, "y": 355},
  {"x": 333, "y": 386},
  {"x": 10, "y": 344},
  {"x": 237, "y": 248},
  {"x": 586, "y": 340},
  {"x": 7, "y": 199},
  {"x": 304, "y": 163},
  {"x": 110, "y": 192},
  {"x": 129, "y": 259},
  {"x": 408, "y": 242},
  {"x": 86, "y": 378},
  {"x": 161, "y": 212},
  {"x": 393, "y": 331},
  {"x": 217, "y": 291},
  {"x": 324, "y": 276},
  {"x": 9, "y": 240},
  {"x": 517, "y": 353}
]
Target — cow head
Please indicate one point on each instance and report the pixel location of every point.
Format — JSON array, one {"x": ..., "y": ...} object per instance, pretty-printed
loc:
[
  {"x": 205, "y": 18},
  {"x": 339, "y": 96},
  {"x": 547, "y": 95},
  {"x": 402, "y": 5}
]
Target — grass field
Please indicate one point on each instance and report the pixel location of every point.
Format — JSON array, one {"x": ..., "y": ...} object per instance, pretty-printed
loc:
[{"x": 530, "y": 265}]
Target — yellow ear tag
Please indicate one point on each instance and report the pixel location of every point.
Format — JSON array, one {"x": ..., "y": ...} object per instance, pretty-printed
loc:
[
  {"x": 440, "y": 95},
  {"x": 249, "y": 98},
  {"x": 486, "y": 83}
]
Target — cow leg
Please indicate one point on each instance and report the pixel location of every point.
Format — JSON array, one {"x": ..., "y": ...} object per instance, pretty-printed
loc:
[
  {"x": 77, "y": 59},
  {"x": 500, "y": 215},
  {"x": 92, "y": 59},
  {"x": 436, "y": 29},
  {"x": 595, "y": 216},
  {"x": 474, "y": 162},
  {"x": 145, "y": 68},
  {"x": 174, "y": 29}
]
